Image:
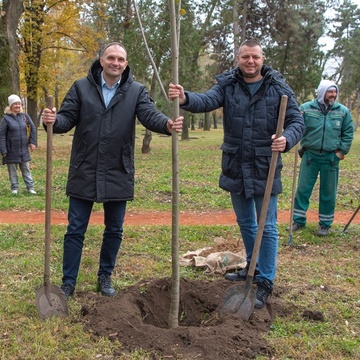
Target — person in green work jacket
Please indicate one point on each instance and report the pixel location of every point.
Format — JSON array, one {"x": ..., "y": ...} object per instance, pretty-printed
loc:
[{"x": 328, "y": 137}]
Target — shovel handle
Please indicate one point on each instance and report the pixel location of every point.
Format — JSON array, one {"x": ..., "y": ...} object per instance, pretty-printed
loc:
[
  {"x": 267, "y": 194},
  {"x": 49, "y": 132},
  {"x": 293, "y": 193},
  {"x": 352, "y": 218}
]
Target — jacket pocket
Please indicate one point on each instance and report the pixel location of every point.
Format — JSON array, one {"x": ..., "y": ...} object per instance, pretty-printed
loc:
[
  {"x": 230, "y": 161},
  {"x": 262, "y": 162},
  {"x": 336, "y": 125},
  {"x": 79, "y": 155},
  {"x": 128, "y": 158}
]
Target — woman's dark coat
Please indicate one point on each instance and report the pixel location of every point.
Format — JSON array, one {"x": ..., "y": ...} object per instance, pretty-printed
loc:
[
  {"x": 102, "y": 156},
  {"x": 249, "y": 122},
  {"x": 13, "y": 138}
]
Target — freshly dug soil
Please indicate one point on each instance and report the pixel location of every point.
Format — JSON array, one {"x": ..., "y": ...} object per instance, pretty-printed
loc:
[{"x": 138, "y": 318}]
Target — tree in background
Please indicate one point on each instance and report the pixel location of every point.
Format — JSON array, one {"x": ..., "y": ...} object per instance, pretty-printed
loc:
[
  {"x": 56, "y": 38},
  {"x": 10, "y": 13},
  {"x": 346, "y": 54},
  {"x": 291, "y": 36},
  {"x": 59, "y": 39}
]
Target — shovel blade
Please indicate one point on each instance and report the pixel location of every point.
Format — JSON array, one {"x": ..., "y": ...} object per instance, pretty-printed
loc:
[
  {"x": 52, "y": 302},
  {"x": 239, "y": 300}
]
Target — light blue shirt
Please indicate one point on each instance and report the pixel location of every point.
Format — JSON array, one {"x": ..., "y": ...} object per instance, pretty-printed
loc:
[{"x": 108, "y": 92}]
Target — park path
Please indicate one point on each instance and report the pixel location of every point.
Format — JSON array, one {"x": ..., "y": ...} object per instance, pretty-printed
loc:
[{"x": 225, "y": 217}]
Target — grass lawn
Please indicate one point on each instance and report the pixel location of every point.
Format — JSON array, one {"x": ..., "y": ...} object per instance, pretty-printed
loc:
[{"x": 321, "y": 273}]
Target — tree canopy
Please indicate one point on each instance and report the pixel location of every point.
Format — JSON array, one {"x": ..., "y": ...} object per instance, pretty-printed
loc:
[{"x": 59, "y": 39}]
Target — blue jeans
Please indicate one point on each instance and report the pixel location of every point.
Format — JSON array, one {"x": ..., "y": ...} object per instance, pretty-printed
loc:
[
  {"x": 78, "y": 217},
  {"x": 26, "y": 174},
  {"x": 247, "y": 213}
]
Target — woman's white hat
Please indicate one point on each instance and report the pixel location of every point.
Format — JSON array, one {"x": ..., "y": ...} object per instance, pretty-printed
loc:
[{"x": 13, "y": 99}]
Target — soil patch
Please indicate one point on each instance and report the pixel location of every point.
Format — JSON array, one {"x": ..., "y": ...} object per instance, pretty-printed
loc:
[{"x": 138, "y": 318}]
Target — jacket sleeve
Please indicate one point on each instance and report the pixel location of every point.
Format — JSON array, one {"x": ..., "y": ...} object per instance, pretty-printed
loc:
[
  {"x": 3, "y": 130},
  {"x": 33, "y": 130},
  {"x": 294, "y": 126},
  {"x": 204, "y": 102},
  {"x": 347, "y": 133},
  {"x": 148, "y": 115},
  {"x": 69, "y": 112}
]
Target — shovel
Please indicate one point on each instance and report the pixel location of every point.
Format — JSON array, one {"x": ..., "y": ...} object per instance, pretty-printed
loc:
[
  {"x": 293, "y": 195},
  {"x": 352, "y": 218},
  {"x": 50, "y": 299},
  {"x": 240, "y": 299}
]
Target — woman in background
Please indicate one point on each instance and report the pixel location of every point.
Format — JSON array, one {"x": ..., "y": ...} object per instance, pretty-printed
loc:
[{"x": 17, "y": 136}]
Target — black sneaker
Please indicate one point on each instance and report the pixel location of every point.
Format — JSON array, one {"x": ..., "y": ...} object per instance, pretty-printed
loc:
[
  {"x": 295, "y": 227},
  {"x": 105, "y": 285},
  {"x": 323, "y": 231},
  {"x": 263, "y": 291},
  {"x": 68, "y": 290},
  {"x": 241, "y": 275}
]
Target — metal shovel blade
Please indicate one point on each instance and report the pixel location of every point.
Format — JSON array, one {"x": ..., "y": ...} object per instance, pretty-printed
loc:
[
  {"x": 52, "y": 302},
  {"x": 239, "y": 300}
]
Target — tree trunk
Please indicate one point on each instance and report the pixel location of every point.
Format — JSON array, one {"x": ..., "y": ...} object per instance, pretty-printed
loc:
[
  {"x": 207, "y": 124},
  {"x": 192, "y": 121},
  {"x": 9, "y": 69},
  {"x": 185, "y": 128},
  {"x": 146, "y": 142},
  {"x": 201, "y": 123},
  {"x": 173, "y": 320},
  {"x": 34, "y": 19},
  {"x": 148, "y": 136},
  {"x": 236, "y": 30},
  {"x": 215, "y": 120}
]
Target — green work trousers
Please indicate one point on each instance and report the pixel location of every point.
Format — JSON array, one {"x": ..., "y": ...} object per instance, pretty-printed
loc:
[{"x": 313, "y": 164}]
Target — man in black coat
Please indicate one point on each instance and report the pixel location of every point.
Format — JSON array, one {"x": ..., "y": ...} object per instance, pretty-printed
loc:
[
  {"x": 250, "y": 97},
  {"x": 102, "y": 107}
]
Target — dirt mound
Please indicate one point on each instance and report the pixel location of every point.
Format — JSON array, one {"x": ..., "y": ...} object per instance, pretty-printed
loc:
[{"x": 138, "y": 318}]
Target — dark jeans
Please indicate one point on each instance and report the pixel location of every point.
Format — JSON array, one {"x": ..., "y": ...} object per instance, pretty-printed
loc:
[{"x": 78, "y": 217}]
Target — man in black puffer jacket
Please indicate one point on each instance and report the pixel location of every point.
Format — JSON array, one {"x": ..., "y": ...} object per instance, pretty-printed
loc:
[
  {"x": 250, "y": 97},
  {"x": 103, "y": 108}
]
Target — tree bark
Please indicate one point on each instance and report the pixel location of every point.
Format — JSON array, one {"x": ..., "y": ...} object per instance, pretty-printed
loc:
[
  {"x": 33, "y": 50},
  {"x": 192, "y": 121},
  {"x": 215, "y": 120},
  {"x": 185, "y": 128},
  {"x": 145, "y": 149},
  {"x": 9, "y": 68},
  {"x": 207, "y": 123}
]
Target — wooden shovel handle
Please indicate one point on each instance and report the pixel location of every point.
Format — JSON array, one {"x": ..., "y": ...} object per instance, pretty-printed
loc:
[
  {"x": 267, "y": 194},
  {"x": 49, "y": 132}
]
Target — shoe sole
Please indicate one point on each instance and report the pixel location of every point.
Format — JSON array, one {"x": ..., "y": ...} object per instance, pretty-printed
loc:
[
  {"x": 105, "y": 294},
  {"x": 259, "y": 307},
  {"x": 108, "y": 295}
]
